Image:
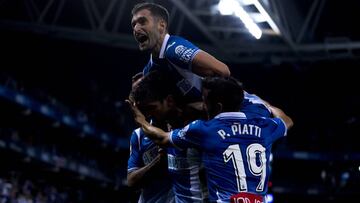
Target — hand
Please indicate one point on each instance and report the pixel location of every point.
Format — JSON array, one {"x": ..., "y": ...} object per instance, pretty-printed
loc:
[
  {"x": 162, "y": 152},
  {"x": 156, "y": 134},
  {"x": 138, "y": 116},
  {"x": 136, "y": 79}
]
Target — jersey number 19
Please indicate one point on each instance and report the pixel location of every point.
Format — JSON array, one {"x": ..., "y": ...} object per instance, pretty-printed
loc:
[{"x": 253, "y": 152}]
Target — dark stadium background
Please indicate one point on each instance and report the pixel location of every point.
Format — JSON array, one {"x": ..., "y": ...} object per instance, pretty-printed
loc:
[{"x": 64, "y": 126}]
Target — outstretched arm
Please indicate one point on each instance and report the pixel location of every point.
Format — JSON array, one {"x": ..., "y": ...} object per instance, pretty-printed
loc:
[
  {"x": 205, "y": 64},
  {"x": 157, "y": 135}
]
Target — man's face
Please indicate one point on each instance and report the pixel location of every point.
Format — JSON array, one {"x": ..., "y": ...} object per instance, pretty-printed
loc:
[
  {"x": 158, "y": 110},
  {"x": 146, "y": 30}
]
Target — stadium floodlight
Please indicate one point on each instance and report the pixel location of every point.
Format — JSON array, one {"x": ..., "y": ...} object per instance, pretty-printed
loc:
[
  {"x": 232, "y": 7},
  {"x": 226, "y": 7},
  {"x": 235, "y": 7},
  {"x": 266, "y": 16},
  {"x": 248, "y": 22}
]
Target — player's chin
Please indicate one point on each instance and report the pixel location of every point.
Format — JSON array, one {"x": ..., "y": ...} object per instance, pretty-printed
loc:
[{"x": 143, "y": 47}]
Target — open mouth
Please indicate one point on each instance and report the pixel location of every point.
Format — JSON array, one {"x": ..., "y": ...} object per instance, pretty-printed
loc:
[{"x": 141, "y": 38}]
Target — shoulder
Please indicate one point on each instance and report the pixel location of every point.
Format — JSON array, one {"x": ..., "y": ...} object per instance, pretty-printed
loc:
[
  {"x": 175, "y": 41},
  {"x": 198, "y": 125},
  {"x": 137, "y": 134},
  {"x": 268, "y": 122},
  {"x": 174, "y": 38}
]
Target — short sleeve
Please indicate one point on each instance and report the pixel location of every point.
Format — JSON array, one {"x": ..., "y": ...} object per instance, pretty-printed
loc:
[
  {"x": 135, "y": 160},
  {"x": 279, "y": 130},
  {"x": 188, "y": 137},
  {"x": 181, "y": 52}
]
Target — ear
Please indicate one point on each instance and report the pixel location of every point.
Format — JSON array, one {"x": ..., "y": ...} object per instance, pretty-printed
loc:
[
  {"x": 170, "y": 101},
  {"x": 162, "y": 26},
  {"x": 219, "y": 107}
]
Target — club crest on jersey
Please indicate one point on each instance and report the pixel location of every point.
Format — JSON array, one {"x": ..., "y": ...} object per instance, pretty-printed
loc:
[
  {"x": 184, "y": 53},
  {"x": 179, "y": 50},
  {"x": 150, "y": 155}
]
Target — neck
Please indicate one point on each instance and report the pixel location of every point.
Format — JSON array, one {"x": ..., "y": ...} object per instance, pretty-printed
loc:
[{"x": 156, "y": 51}]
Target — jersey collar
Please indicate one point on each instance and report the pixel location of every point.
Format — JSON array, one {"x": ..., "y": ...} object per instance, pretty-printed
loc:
[
  {"x": 240, "y": 115},
  {"x": 162, "y": 50}
]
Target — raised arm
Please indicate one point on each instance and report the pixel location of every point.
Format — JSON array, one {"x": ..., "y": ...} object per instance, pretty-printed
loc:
[
  {"x": 157, "y": 135},
  {"x": 278, "y": 113},
  {"x": 205, "y": 64}
]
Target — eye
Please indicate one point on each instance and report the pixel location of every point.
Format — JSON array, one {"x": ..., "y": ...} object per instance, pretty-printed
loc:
[{"x": 142, "y": 21}]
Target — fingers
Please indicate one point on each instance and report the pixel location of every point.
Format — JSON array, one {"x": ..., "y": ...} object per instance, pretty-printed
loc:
[
  {"x": 133, "y": 108},
  {"x": 138, "y": 116},
  {"x": 131, "y": 103},
  {"x": 128, "y": 101},
  {"x": 137, "y": 76},
  {"x": 136, "y": 80},
  {"x": 161, "y": 150}
]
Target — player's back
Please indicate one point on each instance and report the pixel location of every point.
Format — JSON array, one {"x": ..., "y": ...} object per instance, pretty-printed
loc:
[{"x": 236, "y": 153}]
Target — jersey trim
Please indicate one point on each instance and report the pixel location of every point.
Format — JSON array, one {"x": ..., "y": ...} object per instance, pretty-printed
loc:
[
  {"x": 162, "y": 50},
  {"x": 132, "y": 169},
  {"x": 239, "y": 115}
]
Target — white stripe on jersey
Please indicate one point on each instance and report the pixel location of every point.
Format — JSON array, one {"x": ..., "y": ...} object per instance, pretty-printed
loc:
[
  {"x": 195, "y": 164},
  {"x": 137, "y": 131}
]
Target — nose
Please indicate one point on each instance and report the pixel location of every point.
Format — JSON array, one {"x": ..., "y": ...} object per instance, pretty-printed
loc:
[{"x": 136, "y": 27}]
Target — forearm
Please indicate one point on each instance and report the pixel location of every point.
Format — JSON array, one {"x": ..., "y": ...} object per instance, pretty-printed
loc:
[
  {"x": 139, "y": 176},
  {"x": 278, "y": 113},
  {"x": 156, "y": 134},
  {"x": 205, "y": 64}
]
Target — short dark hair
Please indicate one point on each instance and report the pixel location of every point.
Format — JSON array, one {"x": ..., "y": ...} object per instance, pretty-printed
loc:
[
  {"x": 155, "y": 86},
  {"x": 225, "y": 90},
  {"x": 155, "y": 9}
]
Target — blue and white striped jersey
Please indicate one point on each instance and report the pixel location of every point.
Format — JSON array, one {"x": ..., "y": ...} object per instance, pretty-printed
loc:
[
  {"x": 142, "y": 152},
  {"x": 185, "y": 167},
  {"x": 235, "y": 151}
]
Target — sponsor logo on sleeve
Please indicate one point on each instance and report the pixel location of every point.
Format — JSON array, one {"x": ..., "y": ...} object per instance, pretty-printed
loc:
[{"x": 184, "y": 53}]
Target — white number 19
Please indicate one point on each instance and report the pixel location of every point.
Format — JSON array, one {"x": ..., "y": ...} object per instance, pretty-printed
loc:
[{"x": 253, "y": 151}]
